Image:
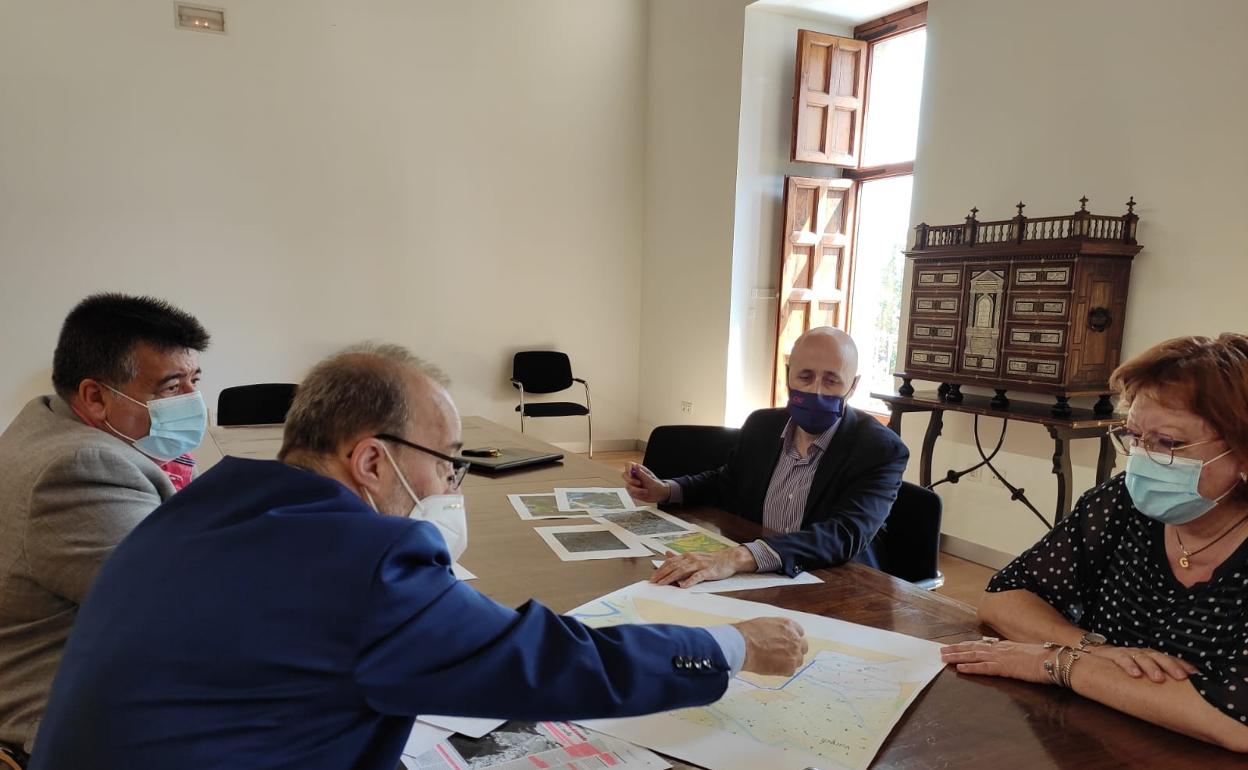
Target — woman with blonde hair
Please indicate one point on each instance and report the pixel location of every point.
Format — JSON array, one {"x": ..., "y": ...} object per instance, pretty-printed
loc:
[{"x": 1137, "y": 599}]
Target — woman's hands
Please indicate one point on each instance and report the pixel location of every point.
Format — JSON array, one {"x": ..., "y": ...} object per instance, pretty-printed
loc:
[
  {"x": 1026, "y": 661},
  {"x": 1142, "y": 661},
  {"x": 1013, "y": 660}
]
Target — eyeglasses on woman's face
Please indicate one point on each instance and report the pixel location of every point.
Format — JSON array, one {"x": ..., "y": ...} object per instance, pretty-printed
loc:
[{"x": 1160, "y": 448}]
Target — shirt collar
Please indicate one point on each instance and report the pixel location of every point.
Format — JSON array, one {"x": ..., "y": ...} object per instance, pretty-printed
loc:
[{"x": 821, "y": 443}]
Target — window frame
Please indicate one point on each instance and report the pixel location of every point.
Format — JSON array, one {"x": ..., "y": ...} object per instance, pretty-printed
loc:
[{"x": 876, "y": 31}]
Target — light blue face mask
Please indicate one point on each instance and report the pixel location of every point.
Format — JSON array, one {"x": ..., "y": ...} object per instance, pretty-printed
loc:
[
  {"x": 178, "y": 425},
  {"x": 1168, "y": 493}
]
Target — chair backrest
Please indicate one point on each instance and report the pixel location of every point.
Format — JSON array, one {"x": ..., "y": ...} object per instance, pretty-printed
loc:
[
  {"x": 264, "y": 404},
  {"x": 542, "y": 371},
  {"x": 679, "y": 450},
  {"x": 908, "y": 546}
]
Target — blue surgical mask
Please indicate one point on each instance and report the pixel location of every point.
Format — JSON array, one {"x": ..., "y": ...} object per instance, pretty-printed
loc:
[
  {"x": 815, "y": 412},
  {"x": 178, "y": 425},
  {"x": 1168, "y": 493}
]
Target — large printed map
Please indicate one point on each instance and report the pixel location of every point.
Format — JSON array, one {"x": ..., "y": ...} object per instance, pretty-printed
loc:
[{"x": 835, "y": 711}]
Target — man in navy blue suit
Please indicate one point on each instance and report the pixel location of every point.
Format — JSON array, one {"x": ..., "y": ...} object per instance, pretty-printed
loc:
[
  {"x": 821, "y": 474},
  {"x": 300, "y": 613}
]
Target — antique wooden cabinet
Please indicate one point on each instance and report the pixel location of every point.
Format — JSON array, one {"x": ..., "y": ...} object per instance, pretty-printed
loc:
[{"x": 1027, "y": 304}]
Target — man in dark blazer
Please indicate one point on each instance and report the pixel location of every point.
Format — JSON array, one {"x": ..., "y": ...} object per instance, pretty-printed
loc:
[
  {"x": 301, "y": 612},
  {"x": 822, "y": 474}
]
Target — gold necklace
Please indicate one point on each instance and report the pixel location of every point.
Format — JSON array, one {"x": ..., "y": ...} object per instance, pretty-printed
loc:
[{"x": 1184, "y": 558}]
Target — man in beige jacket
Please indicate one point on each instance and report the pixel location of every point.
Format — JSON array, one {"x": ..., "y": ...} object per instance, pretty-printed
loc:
[{"x": 78, "y": 470}]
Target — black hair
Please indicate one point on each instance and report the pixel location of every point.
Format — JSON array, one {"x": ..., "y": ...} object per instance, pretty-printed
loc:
[{"x": 99, "y": 336}]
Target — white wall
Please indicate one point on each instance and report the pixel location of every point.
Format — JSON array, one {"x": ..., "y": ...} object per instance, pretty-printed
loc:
[
  {"x": 693, "y": 103},
  {"x": 1049, "y": 101},
  {"x": 762, "y": 163},
  {"x": 464, "y": 177}
]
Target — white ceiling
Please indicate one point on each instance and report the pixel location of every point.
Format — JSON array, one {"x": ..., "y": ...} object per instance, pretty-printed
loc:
[{"x": 850, "y": 12}]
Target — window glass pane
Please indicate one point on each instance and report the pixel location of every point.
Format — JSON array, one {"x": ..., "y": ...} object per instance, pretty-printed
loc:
[
  {"x": 883, "y": 227},
  {"x": 892, "y": 128}
]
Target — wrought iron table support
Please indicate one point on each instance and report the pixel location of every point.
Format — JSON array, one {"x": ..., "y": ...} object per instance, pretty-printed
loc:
[{"x": 1061, "y": 430}]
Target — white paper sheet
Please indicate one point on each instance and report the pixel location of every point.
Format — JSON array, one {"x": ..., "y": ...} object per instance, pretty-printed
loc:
[
  {"x": 462, "y": 572},
  {"x": 645, "y": 522},
  {"x": 526, "y": 746},
  {"x": 593, "y": 499},
  {"x": 747, "y": 581},
  {"x": 836, "y": 711},
  {"x": 470, "y": 726},
  {"x": 541, "y": 506},
  {"x": 424, "y": 737},
  {"x": 580, "y": 542}
]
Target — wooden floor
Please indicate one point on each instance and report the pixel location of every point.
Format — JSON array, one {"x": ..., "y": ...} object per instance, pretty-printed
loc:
[{"x": 964, "y": 580}]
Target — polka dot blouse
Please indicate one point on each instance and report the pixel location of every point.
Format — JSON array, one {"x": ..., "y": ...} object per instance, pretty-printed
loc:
[{"x": 1104, "y": 567}]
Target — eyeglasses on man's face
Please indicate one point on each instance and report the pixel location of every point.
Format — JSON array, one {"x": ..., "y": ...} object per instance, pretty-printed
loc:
[
  {"x": 459, "y": 466},
  {"x": 1159, "y": 448}
]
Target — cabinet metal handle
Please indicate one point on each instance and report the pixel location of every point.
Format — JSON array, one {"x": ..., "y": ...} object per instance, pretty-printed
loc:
[{"x": 1100, "y": 319}]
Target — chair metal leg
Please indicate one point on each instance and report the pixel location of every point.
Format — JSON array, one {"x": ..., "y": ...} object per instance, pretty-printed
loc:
[
  {"x": 590, "y": 422},
  {"x": 931, "y": 584},
  {"x": 522, "y": 422}
]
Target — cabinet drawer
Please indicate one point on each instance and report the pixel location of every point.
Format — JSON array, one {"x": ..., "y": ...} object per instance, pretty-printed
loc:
[
  {"x": 1039, "y": 307},
  {"x": 936, "y": 304},
  {"x": 1043, "y": 276},
  {"x": 935, "y": 360},
  {"x": 979, "y": 364},
  {"x": 1036, "y": 337},
  {"x": 938, "y": 278},
  {"x": 1033, "y": 368},
  {"x": 933, "y": 331}
]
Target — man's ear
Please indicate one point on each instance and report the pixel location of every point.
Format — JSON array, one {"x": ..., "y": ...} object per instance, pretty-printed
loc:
[
  {"x": 364, "y": 464},
  {"x": 853, "y": 386},
  {"x": 92, "y": 400}
]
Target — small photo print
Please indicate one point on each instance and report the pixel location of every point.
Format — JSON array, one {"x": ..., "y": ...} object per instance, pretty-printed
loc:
[
  {"x": 644, "y": 522},
  {"x": 579, "y": 542},
  {"x": 584, "y": 542},
  {"x": 689, "y": 542},
  {"x": 509, "y": 742},
  {"x": 594, "y": 499},
  {"x": 541, "y": 506}
]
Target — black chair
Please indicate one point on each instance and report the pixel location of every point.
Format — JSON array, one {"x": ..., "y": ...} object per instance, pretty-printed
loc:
[
  {"x": 548, "y": 371},
  {"x": 679, "y": 450},
  {"x": 265, "y": 404},
  {"x": 908, "y": 545}
]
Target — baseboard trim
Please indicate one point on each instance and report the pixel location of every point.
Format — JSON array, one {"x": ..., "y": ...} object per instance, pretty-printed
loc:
[
  {"x": 980, "y": 554},
  {"x": 603, "y": 445}
]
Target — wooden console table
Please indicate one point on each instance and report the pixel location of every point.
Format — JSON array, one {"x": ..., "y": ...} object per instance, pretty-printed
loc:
[{"x": 1082, "y": 423}]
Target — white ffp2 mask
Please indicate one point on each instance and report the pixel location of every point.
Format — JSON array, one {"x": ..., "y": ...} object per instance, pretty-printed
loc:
[{"x": 446, "y": 512}]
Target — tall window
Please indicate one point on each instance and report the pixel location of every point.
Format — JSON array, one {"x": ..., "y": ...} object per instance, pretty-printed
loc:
[
  {"x": 855, "y": 107},
  {"x": 883, "y": 185}
]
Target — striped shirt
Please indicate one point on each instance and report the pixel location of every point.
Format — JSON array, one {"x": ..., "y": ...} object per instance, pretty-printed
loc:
[{"x": 785, "y": 504}]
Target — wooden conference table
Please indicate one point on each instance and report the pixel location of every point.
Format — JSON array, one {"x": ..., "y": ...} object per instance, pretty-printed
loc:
[{"x": 958, "y": 722}]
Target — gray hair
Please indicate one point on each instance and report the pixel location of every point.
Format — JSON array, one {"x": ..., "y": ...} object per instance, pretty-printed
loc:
[{"x": 362, "y": 388}]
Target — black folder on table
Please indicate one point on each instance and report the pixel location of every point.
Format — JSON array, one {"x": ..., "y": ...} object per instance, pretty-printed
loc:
[{"x": 510, "y": 458}]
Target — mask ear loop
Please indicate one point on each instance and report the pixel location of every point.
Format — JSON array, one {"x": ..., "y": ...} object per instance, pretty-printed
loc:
[
  {"x": 1242, "y": 476},
  {"x": 397, "y": 472}
]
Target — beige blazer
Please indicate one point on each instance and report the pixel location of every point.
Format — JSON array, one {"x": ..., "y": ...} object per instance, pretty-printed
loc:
[{"x": 68, "y": 494}]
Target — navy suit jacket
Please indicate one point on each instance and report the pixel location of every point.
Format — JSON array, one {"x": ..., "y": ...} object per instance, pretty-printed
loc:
[
  {"x": 266, "y": 617},
  {"x": 851, "y": 495}
]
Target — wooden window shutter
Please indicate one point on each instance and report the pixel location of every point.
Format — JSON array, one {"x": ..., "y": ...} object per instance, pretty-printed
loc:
[
  {"x": 815, "y": 266},
  {"x": 828, "y": 89}
]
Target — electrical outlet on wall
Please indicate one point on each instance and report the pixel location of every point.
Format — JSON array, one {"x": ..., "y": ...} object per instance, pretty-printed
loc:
[{"x": 686, "y": 407}]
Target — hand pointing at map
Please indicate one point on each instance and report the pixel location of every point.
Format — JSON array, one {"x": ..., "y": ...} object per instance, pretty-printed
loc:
[{"x": 773, "y": 646}]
